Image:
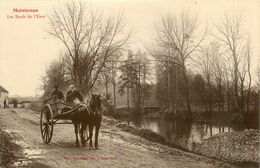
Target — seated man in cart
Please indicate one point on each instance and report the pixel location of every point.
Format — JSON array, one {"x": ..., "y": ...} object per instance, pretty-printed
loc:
[
  {"x": 56, "y": 93},
  {"x": 57, "y": 96},
  {"x": 73, "y": 99},
  {"x": 73, "y": 96}
]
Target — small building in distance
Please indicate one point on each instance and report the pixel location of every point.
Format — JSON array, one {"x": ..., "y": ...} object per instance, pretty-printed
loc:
[
  {"x": 3, "y": 95},
  {"x": 25, "y": 104}
]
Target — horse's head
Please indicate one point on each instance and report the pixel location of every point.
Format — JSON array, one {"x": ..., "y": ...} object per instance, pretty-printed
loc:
[{"x": 95, "y": 103}]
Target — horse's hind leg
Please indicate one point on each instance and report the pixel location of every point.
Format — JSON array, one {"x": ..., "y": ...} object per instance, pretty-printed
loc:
[
  {"x": 82, "y": 137},
  {"x": 90, "y": 135},
  {"x": 76, "y": 132}
]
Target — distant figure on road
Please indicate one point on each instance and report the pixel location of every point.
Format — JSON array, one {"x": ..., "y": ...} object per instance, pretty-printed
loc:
[
  {"x": 56, "y": 93},
  {"x": 73, "y": 96},
  {"x": 5, "y": 103}
]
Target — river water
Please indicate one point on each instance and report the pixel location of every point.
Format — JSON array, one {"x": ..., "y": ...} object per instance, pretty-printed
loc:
[{"x": 182, "y": 134}]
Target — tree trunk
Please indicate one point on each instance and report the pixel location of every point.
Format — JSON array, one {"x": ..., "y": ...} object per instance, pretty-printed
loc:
[
  {"x": 210, "y": 98},
  {"x": 219, "y": 98},
  {"x": 236, "y": 86},
  {"x": 139, "y": 88},
  {"x": 144, "y": 89},
  {"x": 169, "y": 90},
  {"x": 127, "y": 96},
  {"x": 176, "y": 89},
  {"x": 106, "y": 87},
  {"x": 187, "y": 94},
  {"x": 249, "y": 91},
  {"x": 114, "y": 91},
  {"x": 242, "y": 97},
  {"x": 210, "y": 94},
  {"x": 228, "y": 97}
]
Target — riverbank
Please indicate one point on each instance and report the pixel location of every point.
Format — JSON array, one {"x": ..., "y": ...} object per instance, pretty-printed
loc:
[{"x": 239, "y": 148}]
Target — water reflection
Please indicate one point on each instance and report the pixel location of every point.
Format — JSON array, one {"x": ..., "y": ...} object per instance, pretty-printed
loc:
[{"x": 182, "y": 133}]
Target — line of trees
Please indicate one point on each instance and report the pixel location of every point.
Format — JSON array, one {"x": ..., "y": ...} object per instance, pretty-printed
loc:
[
  {"x": 194, "y": 66},
  {"x": 133, "y": 80},
  {"x": 217, "y": 69},
  {"x": 176, "y": 38}
]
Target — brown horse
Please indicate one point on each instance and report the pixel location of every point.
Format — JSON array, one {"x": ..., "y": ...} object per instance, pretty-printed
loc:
[
  {"x": 95, "y": 119},
  {"x": 80, "y": 118},
  {"x": 87, "y": 115}
]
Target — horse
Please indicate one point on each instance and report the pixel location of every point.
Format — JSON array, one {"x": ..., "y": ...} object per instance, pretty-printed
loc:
[
  {"x": 87, "y": 115},
  {"x": 80, "y": 118},
  {"x": 95, "y": 119}
]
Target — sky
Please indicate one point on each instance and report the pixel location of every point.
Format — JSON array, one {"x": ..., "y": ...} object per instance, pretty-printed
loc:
[{"x": 26, "y": 49}]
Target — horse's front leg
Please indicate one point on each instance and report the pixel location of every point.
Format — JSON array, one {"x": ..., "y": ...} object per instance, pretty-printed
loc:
[
  {"x": 82, "y": 137},
  {"x": 96, "y": 135},
  {"x": 76, "y": 132},
  {"x": 90, "y": 135},
  {"x": 97, "y": 125}
]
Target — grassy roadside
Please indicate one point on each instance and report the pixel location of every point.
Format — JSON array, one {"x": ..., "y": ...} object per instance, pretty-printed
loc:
[
  {"x": 9, "y": 151},
  {"x": 11, "y": 154}
]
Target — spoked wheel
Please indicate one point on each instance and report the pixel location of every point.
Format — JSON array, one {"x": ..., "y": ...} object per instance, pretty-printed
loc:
[{"x": 46, "y": 123}]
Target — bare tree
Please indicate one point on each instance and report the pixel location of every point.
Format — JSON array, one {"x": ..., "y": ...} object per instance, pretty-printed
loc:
[
  {"x": 180, "y": 35},
  {"x": 204, "y": 61},
  {"x": 89, "y": 39},
  {"x": 231, "y": 36},
  {"x": 108, "y": 74},
  {"x": 105, "y": 78},
  {"x": 55, "y": 75},
  {"x": 227, "y": 76},
  {"x": 218, "y": 64},
  {"x": 114, "y": 68},
  {"x": 167, "y": 63},
  {"x": 258, "y": 77},
  {"x": 143, "y": 74},
  {"x": 243, "y": 71},
  {"x": 249, "y": 55}
]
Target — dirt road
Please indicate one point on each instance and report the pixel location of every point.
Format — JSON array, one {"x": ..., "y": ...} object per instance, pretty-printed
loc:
[{"x": 117, "y": 148}]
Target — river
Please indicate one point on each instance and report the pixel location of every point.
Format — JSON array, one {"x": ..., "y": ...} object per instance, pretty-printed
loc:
[{"x": 183, "y": 134}]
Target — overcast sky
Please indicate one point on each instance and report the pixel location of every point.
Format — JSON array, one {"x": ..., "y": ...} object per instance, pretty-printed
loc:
[{"x": 26, "y": 49}]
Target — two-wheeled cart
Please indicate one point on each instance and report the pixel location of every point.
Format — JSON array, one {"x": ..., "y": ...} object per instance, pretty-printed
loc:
[{"x": 52, "y": 113}]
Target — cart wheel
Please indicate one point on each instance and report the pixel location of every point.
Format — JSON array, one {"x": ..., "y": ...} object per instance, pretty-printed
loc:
[{"x": 46, "y": 123}]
